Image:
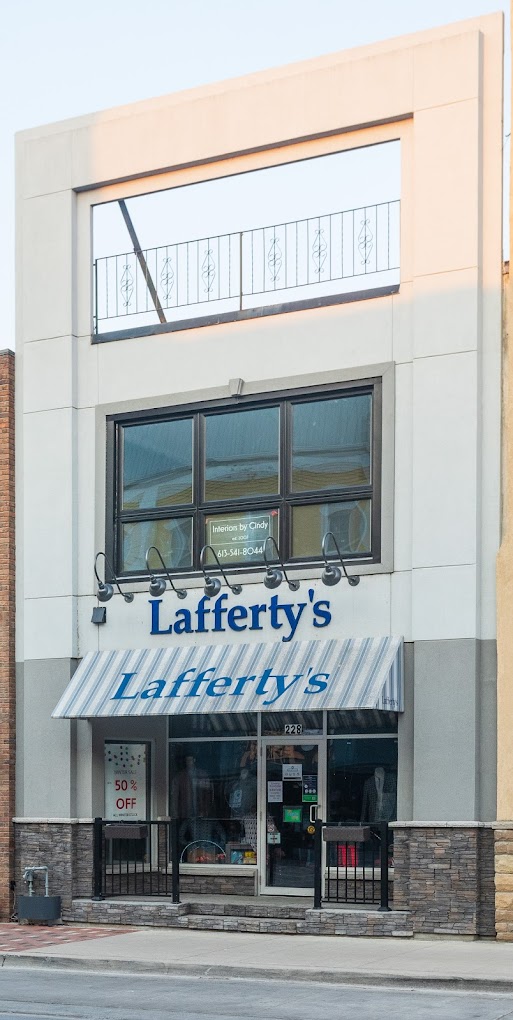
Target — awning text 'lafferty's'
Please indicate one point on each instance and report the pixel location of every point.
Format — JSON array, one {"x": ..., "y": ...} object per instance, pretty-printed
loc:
[{"x": 355, "y": 673}]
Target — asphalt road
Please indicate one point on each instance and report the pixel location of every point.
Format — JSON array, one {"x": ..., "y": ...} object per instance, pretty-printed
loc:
[{"x": 26, "y": 993}]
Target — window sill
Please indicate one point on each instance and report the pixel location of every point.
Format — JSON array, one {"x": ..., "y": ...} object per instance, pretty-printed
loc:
[{"x": 218, "y": 869}]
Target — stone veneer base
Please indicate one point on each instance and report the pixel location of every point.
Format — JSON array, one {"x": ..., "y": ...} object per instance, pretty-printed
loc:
[
  {"x": 242, "y": 917},
  {"x": 443, "y": 885},
  {"x": 444, "y": 875}
]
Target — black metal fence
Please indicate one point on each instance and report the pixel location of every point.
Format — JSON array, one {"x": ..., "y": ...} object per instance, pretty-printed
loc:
[
  {"x": 135, "y": 859},
  {"x": 143, "y": 859},
  {"x": 230, "y": 270},
  {"x": 356, "y": 865}
]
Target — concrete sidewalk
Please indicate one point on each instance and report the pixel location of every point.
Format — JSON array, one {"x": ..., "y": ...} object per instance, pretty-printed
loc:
[{"x": 482, "y": 966}]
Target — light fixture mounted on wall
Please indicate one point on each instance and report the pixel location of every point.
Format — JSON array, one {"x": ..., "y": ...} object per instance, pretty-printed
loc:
[
  {"x": 213, "y": 584},
  {"x": 275, "y": 575},
  {"x": 332, "y": 574},
  {"x": 105, "y": 589},
  {"x": 158, "y": 584}
]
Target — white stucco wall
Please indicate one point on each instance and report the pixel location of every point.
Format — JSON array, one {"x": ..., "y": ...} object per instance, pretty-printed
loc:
[
  {"x": 441, "y": 332},
  {"x": 440, "y": 93}
]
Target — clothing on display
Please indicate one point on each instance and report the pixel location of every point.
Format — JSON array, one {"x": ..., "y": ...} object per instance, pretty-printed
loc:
[
  {"x": 191, "y": 790},
  {"x": 379, "y": 797}
]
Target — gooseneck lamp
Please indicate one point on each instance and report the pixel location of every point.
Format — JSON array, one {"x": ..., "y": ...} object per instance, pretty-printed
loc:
[
  {"x": 332, "y": 574},
  {"x": 213, "y": 584},
  {"x": 158, "y": 584},
  {"x": 275, "y": 575},
  {"x": 105, "y": 589}
]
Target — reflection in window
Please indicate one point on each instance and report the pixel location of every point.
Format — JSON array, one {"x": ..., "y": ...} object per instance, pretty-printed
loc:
[
  {"x": 219, "y": 724},
  {"x": 362, "y": 780},
  {"x": 350, "y": 522},
  {"x": 241, "y": 458},
  {"x": 213, "y": 789},
  {"x": 362, "y": 720},
  {"x": 331, "y": 444},
  {"x": 174, "y": 536},
  {"x": 157, "y": 464}
]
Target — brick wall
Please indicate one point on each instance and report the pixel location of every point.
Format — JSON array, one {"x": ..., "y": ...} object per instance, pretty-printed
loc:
[
  {"x": 504, "y": 883},
  {"x": 7, "y": 669}
]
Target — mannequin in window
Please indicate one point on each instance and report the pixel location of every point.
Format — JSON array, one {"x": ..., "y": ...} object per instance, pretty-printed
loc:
[
  {"x": 191, "y": 791},
  {"x": 242, "y": 795},
  {"x": 379, "y": 797},
  {"x": 242, "y": 798},
  {"x": 193, "y": 804}
]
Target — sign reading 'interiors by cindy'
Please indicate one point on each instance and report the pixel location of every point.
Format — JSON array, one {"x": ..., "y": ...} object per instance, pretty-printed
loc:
[{"x": 240, "y": 536}]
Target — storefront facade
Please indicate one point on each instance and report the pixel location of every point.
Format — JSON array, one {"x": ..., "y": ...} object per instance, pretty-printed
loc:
[{"x": 252, "y": 422}]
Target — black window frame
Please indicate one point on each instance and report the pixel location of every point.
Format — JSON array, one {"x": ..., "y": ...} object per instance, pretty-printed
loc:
[{"x": 284, "y": 502}]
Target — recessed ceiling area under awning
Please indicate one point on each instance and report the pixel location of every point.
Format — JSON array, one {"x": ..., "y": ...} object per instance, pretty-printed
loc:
[{"x": 356, "y": 673}]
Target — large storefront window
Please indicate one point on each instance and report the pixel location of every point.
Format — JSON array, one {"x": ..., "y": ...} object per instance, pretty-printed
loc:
[
  {"x": 213, "y": 794},
  {"x": 289, "y": 468},
  {"x": 228, "y": 770},
  {"x": 362, "y": 780}
]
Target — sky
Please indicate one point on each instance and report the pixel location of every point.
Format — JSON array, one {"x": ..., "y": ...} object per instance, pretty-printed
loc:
[{"x": 61, "y": 59}]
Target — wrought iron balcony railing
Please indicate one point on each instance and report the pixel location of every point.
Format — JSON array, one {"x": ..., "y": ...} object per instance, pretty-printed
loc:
[{"x": 311, "y": 260}]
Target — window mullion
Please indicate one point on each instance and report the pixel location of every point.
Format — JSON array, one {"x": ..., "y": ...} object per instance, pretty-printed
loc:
[
  {"x": 199, "y": 486},
  {"x": 285, "y": 459},
  {"x": 340, "y": 496}
]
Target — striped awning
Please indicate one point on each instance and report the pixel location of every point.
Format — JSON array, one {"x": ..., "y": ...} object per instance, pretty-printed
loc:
[{"x": 303, "y": 676}]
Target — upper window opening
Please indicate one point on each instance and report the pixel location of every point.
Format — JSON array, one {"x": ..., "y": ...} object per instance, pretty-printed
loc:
[
  {"x": 291, "y": 468},
  {"x": 310, "y": 232}
]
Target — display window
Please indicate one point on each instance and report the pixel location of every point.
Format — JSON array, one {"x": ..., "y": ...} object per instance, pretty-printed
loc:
[
  {"x": 213, "y": 794},
  {"x": 362, "y": 780},
  {"x": 227, "y": 771}
]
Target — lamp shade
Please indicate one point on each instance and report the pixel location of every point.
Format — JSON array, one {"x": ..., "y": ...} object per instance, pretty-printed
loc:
[
  {"x": 105, "y": 592},
  {"x": 212, "y": 586},
  {"x": 273, "y": 578},
  {"x": 157, "y": 587},
  {"x": 331, "y": 575}
]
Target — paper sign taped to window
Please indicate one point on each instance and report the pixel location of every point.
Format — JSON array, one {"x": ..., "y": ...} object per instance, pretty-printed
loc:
[
  {"x": 292, "y": 771},
  {"x": 275, "y": 792}
]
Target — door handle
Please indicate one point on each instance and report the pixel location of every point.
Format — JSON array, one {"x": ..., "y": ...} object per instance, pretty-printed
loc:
[{"x": 314, "y": 811}]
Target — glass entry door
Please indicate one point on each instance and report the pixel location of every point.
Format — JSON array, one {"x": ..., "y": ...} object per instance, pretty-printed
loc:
[{"x": 292, "y": 799}]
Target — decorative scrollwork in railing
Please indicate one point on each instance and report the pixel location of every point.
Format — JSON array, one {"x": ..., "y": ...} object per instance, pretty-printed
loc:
[
  {"x": 365, "y": 241},
  {"x": 167, "y": 279},
  {"x": 319, "y": 251},
  {"x": 126, "y": 285},
  {"x": 208, "y": 271},
  {"x": 274, "y": 259}
]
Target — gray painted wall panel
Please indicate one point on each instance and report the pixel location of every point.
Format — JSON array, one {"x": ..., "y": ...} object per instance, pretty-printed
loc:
[
  {"x": 488, "y": 732},
  {"x": 454, "y": 715},
  {"x": 406, "y": 742},
  {"x": 48, "y": 769}
]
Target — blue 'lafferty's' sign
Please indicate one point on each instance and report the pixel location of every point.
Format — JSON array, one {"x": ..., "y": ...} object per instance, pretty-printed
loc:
[{"x": 214, "y": 616}]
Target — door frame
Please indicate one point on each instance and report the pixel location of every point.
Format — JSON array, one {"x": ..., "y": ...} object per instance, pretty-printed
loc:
[{"x": 265, "y": 742}]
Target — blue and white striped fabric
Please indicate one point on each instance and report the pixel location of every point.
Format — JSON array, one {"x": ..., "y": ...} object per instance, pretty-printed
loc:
[{"x": 303, "y": 676}]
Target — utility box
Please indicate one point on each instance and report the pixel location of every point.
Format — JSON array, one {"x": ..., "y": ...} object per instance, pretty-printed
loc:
[{"x": 39, "y": 908}]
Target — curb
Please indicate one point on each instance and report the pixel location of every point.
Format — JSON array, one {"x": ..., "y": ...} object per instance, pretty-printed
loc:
[{"x": 452, "y": 983}]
